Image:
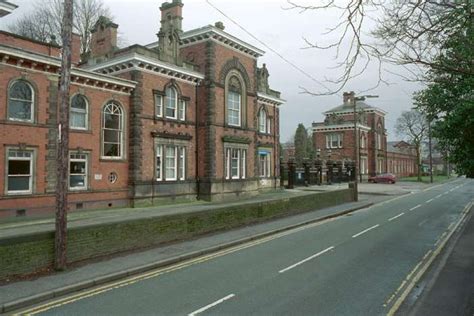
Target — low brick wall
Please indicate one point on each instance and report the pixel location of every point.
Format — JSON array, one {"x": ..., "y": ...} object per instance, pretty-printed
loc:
[{"x": 30, "y": 253}]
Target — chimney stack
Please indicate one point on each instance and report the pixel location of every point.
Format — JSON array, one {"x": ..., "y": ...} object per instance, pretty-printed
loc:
[
  {"x": 348, "y": 98},
  {"x": 103, "y": 38}
]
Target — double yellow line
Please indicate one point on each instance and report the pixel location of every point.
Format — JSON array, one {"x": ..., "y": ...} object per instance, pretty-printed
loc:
[{"x": 155, "y": 273}]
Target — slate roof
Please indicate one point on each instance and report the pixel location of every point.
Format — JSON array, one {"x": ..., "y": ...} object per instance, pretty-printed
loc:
[{"x": 348, "y": 107}]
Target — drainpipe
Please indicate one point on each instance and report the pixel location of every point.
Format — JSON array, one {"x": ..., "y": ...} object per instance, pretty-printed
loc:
[{"x": 196, "y": 133}]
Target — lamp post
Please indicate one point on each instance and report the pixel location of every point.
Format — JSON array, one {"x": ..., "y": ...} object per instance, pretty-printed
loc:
[{"x": 356, "y": 142}]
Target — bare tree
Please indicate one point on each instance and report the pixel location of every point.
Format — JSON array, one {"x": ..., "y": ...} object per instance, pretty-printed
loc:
[
  {"x": 45, "y": 20},
  {"x": 406, "y": 33},
  {"x": 413, "y": 126}
]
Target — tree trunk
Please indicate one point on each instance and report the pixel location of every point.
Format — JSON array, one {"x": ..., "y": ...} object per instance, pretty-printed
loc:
[
  {"x": 60, "y": 259},
  {"x": 418, "y": 160}
]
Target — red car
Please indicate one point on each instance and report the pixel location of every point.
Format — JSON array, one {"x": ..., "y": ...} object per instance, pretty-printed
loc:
[{"x": 384, "y": 177}]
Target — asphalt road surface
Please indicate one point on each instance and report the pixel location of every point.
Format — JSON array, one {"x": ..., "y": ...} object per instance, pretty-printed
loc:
[{"x": 359, "y": 264}]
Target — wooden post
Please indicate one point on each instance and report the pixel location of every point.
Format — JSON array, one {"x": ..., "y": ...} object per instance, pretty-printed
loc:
[{"x": 60, "y": 260}]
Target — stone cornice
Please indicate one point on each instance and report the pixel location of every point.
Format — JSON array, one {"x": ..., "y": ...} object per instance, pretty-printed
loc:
[
  {"x": 6, "y": 8},
  {"x": 213, "y": 33},
  {"x": 236, "y": 139},
  {"x": 165, "y": 134},
  {"x": 351, "y": 111},
  {"x": 52, "y": 65},
  {"x": 134, "y": 61},
  {"x": 339, "y": 127},
  {"x": 265, "y": 98}
]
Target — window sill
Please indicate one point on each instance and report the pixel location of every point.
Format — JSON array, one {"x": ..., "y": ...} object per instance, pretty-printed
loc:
[
  {"x": 109, "y": 159},
  {"x": 80, "y": 131}
]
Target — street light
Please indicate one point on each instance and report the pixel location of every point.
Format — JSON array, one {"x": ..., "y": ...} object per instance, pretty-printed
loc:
[{"x": 356, "y": 142}]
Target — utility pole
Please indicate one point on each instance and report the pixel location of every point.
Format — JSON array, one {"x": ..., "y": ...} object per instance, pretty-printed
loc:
[
  {"x": 60, "y": 240},
  {"x": 431, "y": 154},
  {"x": 356, "y": 142}
]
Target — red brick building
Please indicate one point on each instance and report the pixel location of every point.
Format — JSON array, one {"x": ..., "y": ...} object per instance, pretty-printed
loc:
[
  {"x": 189, "y": 116},
  {"x": 335, "y": 136},
  {"x": 401, "y": 159}
]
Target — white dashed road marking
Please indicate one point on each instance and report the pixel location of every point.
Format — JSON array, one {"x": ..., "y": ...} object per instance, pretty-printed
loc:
[
  {"x": 307, "y": 259},
  {"x": 395, "y": 217},
  {"x": 202, "y": 309},
  {"x": 364, "y": 231}
]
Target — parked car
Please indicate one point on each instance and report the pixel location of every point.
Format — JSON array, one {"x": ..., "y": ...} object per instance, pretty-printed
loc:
[{"x": 384, "y": 177}]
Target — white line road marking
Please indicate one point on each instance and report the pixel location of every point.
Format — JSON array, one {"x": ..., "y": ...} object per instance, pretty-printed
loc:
[
  {"x": 430, "y": 200},
  {"x": 414, "y": 208},
  {"x": 211, "y": 305},
  {"x": 395, "y": 217},
  {"x": 364, "y": 231},
  {"x": 307, "y": 259}
]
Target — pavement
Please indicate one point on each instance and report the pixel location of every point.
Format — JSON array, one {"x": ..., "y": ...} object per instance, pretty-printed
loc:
[{"x": 23, "y": 293}]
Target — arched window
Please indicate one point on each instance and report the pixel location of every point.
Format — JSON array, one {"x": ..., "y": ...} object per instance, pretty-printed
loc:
[
  {"x": 79, "y": 111},
  {"x": 21, "y": 102},
  {"x": 362, "y": 141},
  {"x": 171, "y": 101},
  {"x": 379, "y": 136},
  {"x": 262, "y": 121},
  {"x": 234, "y": 102},
  {"x": 112, "y": 131}
]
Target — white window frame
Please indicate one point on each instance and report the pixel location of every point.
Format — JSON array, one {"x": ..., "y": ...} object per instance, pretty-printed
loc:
[
  {"x": 264, "y": 164},
  {"x": 168, "y": 166},
  {"x": 115, "y": 109},
  {"x": 14, "y": 154},
  {"x": 362, "y": 141},
  {"x": 79, "y": 157},
  {"x": 234, "y": 107},
  {"x": 162, "y": 162},
  {"x": 159, "y": 163},
  {"x": 171, "y": 103},
  {"x": 262, "y": 121},
  {"x": 32, "y": 102},
  {"x": 182, "y": 163},
  {"x": 363, "y": 165},
  {"x": 182, "y": 110},
  {"x": 238, "y": 155},
  {"x": 158, "y": 105},
  {"x": 81, "y": 112},
  {"x": 334, "y": 138},
  {"x": 243, "y": 163}
]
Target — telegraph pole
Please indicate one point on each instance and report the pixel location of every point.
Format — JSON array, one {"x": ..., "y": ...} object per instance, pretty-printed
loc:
[
  {"x": 60, "y": 241},
  {"x": 356, "y": 142}
]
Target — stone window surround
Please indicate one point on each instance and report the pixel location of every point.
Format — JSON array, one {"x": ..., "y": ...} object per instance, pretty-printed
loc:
[
  {"x": 87, "y": 172},
  {"x": 268, "y": 119},
  {"x": 242, "y": 169},
  {"x": 243, "y": 98},
  {"x": 330, "y": 140},
  {"x": 123, "y": 151},
  {"x": 35, "y": 95},
  {"x": 34, "y": 157},
  {"x": 178, "y": 143},
  {"x": 180, "y": 99},
  {"x": 88, "y": 111},
  {"x": 269, "y": 154}
]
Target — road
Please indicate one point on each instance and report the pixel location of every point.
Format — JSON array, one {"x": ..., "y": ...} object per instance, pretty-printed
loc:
[{"x": 360, "y": 264}]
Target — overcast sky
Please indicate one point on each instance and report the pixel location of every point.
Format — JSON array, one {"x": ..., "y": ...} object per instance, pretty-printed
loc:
[{"x": 283, "y": 31}]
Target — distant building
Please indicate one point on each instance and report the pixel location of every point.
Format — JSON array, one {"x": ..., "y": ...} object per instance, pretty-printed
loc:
[
  {"x": 401, "y": 159},
  {"x": 335, "y": 136},
  {"x": 188, "y": 116}
]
